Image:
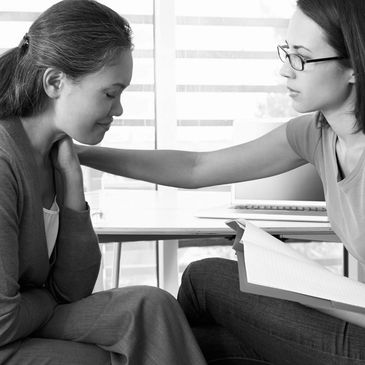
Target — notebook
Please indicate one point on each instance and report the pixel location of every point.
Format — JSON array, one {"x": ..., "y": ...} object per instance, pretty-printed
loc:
[{"x": 296, "y": 195}]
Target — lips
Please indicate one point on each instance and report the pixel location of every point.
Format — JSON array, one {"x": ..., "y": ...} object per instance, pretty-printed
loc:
[
  {"x": 292, "y": 90},
  {"x": 107, "y": 124}
]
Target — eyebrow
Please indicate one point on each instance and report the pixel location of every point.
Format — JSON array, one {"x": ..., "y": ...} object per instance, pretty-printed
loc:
[
  {"x": 123, "y": 86},
  {"x": 296, "y": 47},
  {"x": 116, "y": 84}
]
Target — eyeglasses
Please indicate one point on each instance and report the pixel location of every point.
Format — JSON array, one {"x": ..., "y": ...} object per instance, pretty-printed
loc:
[{"x": 297, "y": 62}]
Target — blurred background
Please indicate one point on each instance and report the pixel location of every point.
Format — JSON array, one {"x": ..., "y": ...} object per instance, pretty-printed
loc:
[{"x": 199, "y": 67}]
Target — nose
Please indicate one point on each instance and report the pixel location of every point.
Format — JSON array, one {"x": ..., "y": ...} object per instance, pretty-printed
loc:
[
  {"x": 287, "y": 71},
  {"x": 117, "y": 108}
]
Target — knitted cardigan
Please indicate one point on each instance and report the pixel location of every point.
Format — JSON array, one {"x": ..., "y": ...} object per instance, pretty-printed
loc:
[{"x": 31, "y": 284}]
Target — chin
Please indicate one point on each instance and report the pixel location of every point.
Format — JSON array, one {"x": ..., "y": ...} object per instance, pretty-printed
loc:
[
  {"x": 302, "y": 108},
  {"x": 95, "y": 141},
  {"x": 91, "y": 141}
]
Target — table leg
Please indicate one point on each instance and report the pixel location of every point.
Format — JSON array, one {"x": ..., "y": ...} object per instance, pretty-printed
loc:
[
  {"x": 116, "y": 265},
  {"x": 353, "y": 268},
  {"x": 99, "y": 284},
  {"x": 168, "y": 266}
]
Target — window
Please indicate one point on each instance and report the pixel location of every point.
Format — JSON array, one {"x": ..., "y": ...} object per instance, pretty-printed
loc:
[
  {"x": 199, "y": 65},
  {"x": 227, "y": 67}
]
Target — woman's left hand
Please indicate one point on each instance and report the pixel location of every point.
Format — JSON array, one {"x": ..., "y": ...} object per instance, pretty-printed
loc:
[
  {"x": 65, "y": 158},
  {"x": 67, "y": 163}
]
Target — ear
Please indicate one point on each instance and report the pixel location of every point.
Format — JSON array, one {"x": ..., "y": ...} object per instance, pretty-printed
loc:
[
  {"x": 52, "y": 82},
  {"x": 352, "y": 79}
]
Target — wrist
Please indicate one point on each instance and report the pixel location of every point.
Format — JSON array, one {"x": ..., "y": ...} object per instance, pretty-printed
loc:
[
  {"x": 74, "y": 197},
  {"x": 72, "y": 173}
]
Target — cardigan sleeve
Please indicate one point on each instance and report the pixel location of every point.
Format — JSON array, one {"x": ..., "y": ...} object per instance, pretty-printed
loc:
[
  {"x": 21, "y": 312},
  {"x": 78, "y": 257}
]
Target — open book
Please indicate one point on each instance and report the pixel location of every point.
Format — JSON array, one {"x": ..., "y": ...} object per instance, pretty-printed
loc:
[{"x": 272, "y": 268}]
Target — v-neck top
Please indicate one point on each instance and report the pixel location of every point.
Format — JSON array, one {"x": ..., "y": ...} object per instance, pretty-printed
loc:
[{"x": 345, "y": 197}]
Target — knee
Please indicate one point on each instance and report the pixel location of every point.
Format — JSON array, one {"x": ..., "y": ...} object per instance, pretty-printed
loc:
[
  {"x": 208, "y": 268},
  {"x": 156, "y": 295},
  {"x": 154, "y": 298},
  {"x": 204, "y": 275}
]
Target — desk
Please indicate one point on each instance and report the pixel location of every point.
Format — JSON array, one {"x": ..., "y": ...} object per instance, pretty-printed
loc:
[{"x": 168, "y": 215}]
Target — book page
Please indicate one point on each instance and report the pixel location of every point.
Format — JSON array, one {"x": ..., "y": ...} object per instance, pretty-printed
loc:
[
  {"x": 268, "y": 268},
  {"x": 271, "y": 263},
  {"x": 256, "y": 235}
]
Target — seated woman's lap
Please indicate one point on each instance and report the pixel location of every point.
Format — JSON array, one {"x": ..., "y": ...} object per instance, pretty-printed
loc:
[
  {"x": 139, "y": 324},
  {"x": 43, "y": 351},
  {"x": 278, "y": 331},
  {"x": 106, "y": 316},
  {"x": 108, "y": 321}
]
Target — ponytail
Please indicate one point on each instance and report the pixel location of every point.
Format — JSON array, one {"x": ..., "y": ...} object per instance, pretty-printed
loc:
[
  {"x": 8, "y": 64},
  {"x": 21, "y": 84}
]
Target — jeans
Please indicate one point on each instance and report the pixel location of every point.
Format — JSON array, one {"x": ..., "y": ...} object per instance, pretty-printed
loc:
[{"x": 231, "y": 324}]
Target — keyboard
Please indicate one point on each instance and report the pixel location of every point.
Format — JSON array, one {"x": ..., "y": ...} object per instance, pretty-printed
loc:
[
  {"x": 295, "y": 211},
  {"x": 281, "y": 209}
]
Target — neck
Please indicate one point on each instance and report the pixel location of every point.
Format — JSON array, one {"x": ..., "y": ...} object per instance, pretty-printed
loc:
[
  {"x": 343, "y": 122},
  {"x": 42, "y": 135},
  {"x": 345, "y": 128}
]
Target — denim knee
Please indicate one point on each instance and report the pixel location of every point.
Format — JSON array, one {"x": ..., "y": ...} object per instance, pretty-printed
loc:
[
  {"x": 207, "y": 265},
  {"x": 202, "y": 270}
]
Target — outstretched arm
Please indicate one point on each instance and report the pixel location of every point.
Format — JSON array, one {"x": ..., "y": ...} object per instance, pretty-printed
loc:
[{"x": 268, "y": 155}]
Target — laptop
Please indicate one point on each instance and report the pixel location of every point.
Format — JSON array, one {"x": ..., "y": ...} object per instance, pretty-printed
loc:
[{"x": 296, "y": 195}]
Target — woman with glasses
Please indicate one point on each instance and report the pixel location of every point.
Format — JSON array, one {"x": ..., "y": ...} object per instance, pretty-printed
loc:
[{"x": 324, "y": 68}]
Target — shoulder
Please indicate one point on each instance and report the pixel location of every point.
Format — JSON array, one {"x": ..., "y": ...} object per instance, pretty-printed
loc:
[
  {"x": 9, "y": 181},
  {"x": 10, "y": 153},
  {"x": 8, "y": 169},
  {"x": 7, "y": 150},
  {"x": 304, "y": 134},
  {"x": 304, "y": 124},
  {"x": 6, "y": 144},
  {"x": 13, "y": 140}
]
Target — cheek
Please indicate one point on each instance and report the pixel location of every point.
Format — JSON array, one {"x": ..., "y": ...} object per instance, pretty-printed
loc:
[
  {"x": 81, "y": 109},
  {"x": 320, "y": 92},
  {"x": 73, "y": 118}
]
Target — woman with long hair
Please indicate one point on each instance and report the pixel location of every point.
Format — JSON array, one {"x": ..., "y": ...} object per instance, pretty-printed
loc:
[
  {"x": 324, "y": 67},
  {"x": 62, "y": 82}
]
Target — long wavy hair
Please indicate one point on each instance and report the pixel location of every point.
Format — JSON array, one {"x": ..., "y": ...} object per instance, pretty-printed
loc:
[
  {"x": 344, "y": 26},
  {"x": 77, "y": 37}
]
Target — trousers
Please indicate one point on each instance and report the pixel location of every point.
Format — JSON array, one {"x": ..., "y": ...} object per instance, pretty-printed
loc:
[
  {"x": 231, "y": 324},
  {"x": 137, "y": 325}
]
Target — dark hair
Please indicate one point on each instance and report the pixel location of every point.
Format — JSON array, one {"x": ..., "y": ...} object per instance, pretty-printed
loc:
[
  {"x": 344, "y": 25},
  {"x": 77, "y": 37}
]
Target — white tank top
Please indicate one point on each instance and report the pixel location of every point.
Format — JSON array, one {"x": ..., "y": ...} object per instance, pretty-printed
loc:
[{"x": 51, "y": 221}]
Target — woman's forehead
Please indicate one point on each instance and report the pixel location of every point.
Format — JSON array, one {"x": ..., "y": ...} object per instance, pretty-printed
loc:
[
  {"x": 305, "y": 32},
  {"x": 120, "y": 71}
]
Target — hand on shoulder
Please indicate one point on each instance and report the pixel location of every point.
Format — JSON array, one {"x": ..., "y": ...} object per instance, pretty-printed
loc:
[{"x": 65, "y": 158}]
